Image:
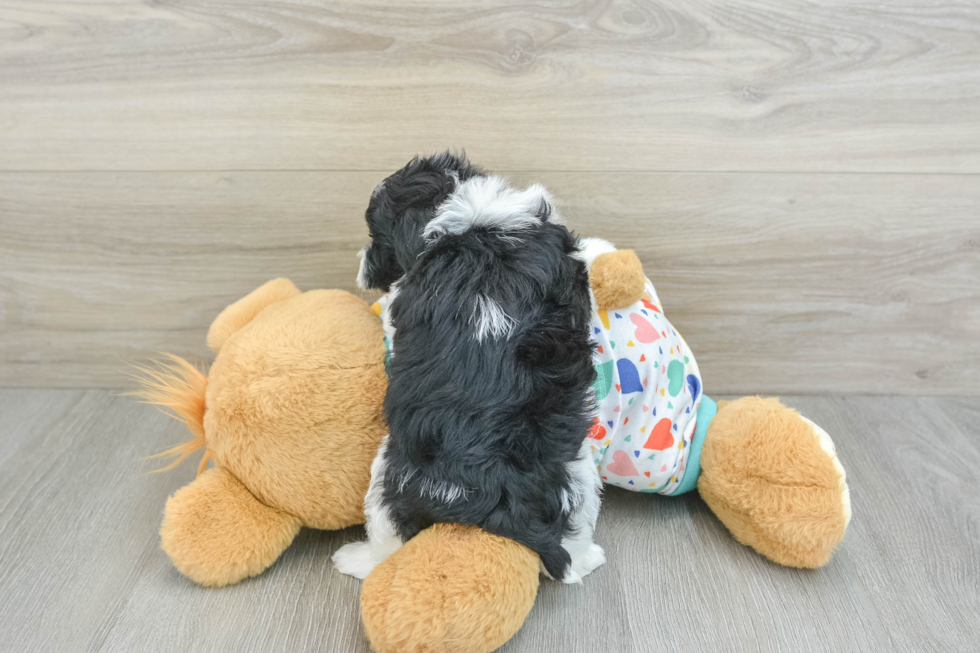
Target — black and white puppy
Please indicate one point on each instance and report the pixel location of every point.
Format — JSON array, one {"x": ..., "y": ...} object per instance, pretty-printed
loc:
[{"x": 488, "y": 401}]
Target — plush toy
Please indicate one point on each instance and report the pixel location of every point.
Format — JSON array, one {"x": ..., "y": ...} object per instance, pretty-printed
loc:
[{"x": 290, "y": 414}]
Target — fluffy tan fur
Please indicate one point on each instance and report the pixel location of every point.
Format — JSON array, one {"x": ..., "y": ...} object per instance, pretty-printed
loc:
[
  {"x": 291, "y": 410},
  {"x": 764, "y": 473},
  {"x": 451, "y": 589},
  {"x": 231, "y": 320},
  {"x": 177, "y": 388},
  {"x": 291, "y": 415},
  {"x": 217, "y": 533},
  {"x": 617, "y": 279},
  {"x": 294, "y": 406},
  {"x": 767, "y": 478}
]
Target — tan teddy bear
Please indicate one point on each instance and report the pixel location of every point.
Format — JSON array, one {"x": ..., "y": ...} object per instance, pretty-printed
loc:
[{"x": 290, "y": 414}]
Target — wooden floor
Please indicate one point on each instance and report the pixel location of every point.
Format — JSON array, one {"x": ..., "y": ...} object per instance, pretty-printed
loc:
[{"x": 81, "y": 568}]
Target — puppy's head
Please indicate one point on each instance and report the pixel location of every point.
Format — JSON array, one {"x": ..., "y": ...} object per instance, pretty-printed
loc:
[{"x": 400, "y": 208}]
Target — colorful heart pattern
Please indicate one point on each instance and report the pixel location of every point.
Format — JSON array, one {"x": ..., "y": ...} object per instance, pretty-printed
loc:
[
  {"x": 647, "y": 391},
  {"x": 621, "y": 464},
  {"x": 645, "y": 332},
  {"x": 661, "y": 437}
]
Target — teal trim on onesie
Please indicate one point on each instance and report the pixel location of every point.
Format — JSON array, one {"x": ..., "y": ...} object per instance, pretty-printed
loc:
[{"x": 706, "y": 411}]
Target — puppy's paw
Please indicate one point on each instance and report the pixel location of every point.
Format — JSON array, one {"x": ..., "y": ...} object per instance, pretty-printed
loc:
[
  {"x": 585, "y": 563},
  {"x": 354, "y": 559}
]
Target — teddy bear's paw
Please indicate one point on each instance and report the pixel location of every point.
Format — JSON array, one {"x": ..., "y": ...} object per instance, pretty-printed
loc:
[
  {"x": 584, "y": 563},
  {"x": 827, "y": 444},
  {"x": 773, "y": 478},
  {"x": 450, "y": 589},
  {"x": 355, "y": 559},
  {"x": 217, "y": 533}
]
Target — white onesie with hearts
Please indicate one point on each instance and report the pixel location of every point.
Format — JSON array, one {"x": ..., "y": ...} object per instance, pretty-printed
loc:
[{"x": 647, "y": 391}]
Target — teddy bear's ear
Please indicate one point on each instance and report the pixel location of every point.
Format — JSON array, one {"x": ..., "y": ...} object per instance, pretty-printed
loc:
[
  {"x": 237, "y": 315},
  {"x": 217, "y": 533}
]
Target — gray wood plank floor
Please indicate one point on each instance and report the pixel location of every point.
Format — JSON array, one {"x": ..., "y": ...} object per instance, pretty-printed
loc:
[{"x": 81, "y": 568}]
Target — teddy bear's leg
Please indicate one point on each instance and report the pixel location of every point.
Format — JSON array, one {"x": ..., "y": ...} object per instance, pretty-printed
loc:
[
  {"x": 359, "y": 558},
  {"x": 616, "y": 276},
  {"x": 217, "y": 533},
  {"x": 450, "y": 589},
  {"x": 237, "y": 315},
  {"x": 773, "y": 478}
]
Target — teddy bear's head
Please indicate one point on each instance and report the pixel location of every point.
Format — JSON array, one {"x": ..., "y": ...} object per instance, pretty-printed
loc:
[
  {"x": 290, "y": 413},
  {"x": 293, "y": 407}
]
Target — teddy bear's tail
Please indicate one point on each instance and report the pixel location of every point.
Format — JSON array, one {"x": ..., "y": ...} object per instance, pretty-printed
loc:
[{"x": 178, "y": 389}]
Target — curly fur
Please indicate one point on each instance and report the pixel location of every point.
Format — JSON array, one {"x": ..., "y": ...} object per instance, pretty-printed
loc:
[
  {"x": 399, "y": 210},
  {"x": 492, "y": 363}
]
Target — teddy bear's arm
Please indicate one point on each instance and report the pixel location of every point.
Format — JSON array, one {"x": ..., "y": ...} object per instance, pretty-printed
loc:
[
  {"x": 237, "y": 315},
  {"x": 217, "y": 533}
]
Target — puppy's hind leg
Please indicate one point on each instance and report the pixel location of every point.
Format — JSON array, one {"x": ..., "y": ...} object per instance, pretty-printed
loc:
[
  {"x": 358, "y": 559},
  {"x": 583, "y": 503}
]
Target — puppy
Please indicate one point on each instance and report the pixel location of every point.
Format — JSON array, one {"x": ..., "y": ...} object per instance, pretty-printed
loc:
[{"x": 488, "y": 402}]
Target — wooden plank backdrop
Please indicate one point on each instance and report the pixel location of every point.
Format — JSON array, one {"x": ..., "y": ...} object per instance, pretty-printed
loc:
[{"x": 800, "y": 179}]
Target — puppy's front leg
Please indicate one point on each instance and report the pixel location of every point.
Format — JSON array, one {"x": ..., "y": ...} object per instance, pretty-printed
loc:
[
  {"x": 358, "y": 559},
  {"x": 585, "y": 487}
]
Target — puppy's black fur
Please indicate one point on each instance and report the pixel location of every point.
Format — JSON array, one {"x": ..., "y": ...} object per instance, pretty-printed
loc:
[
  {"x": 401, "y": 207},
  {"x": 482, "y": 431}
]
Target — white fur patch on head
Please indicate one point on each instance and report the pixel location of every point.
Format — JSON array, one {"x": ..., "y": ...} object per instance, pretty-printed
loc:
[
  {"x": 490, "y": 202},
  {"x": 490, "y": 319},
  {"x": 362, "y": 281}
]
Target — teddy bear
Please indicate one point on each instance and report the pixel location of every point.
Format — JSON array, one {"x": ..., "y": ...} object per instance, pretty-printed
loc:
[{"x": 290, "y": 415}]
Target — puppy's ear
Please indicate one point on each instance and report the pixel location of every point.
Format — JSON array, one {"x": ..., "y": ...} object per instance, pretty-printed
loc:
[
  {"x": 546, "y": 209},
  {"x": 408, "y": 241},
  {"x": 379, "y": 267},
  {"x": 457, "y": 165}
]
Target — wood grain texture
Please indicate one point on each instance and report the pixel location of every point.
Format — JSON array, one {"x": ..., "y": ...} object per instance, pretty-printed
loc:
[
  {"x": 779, "y": 282},
  {"x": 81, "y": 567},
  {"x": 559, "y": 85}
]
